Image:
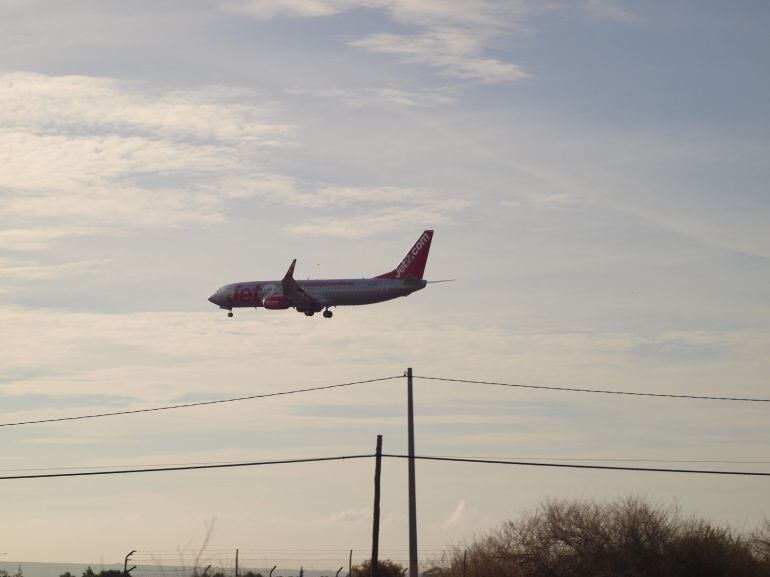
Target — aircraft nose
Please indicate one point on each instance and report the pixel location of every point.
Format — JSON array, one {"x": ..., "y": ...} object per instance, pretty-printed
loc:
[{"x": 213, "y": 299}]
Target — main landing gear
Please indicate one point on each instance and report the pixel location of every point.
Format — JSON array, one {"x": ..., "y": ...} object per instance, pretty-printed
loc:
[
  {"x": 230, "y": 313},
  {"x": 327, "y": 313}
]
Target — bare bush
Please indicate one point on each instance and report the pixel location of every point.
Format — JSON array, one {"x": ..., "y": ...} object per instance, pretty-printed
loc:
[
  {"x": 759, "y": 541},
  {"x": 627, "y": 538}
]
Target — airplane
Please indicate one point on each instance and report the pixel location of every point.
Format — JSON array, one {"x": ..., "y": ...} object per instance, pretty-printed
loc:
[{"x": 312, "y": 296}]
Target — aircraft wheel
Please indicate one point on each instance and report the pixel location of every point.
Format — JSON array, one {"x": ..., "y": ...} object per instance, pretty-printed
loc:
[
  {"x": 328, "y": 314},
  {"x": 309, "y": 313},
  {"x": 230, "y": 314}
]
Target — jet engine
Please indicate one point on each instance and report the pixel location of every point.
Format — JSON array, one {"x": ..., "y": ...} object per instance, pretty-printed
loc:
[{"x": 275, "y": 302}]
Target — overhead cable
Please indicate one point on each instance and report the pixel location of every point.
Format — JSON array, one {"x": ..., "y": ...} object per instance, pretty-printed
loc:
[
  {"x": 573, "y": 466},
  {"x": 601, "y": 391},
  {"x": 506, "y": 459},
  {"x": 198, "y": 404},
  {"x": 186, "y": 468},
  {"x": 326, "y": 387},
  {"x": 389, "y": 455}
]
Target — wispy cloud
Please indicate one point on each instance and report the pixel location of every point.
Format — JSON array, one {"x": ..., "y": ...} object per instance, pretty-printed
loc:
[
  {"x": 31, "y": 239},
  {"x": 411, "y": 214},
  {"x": 450, "y": 37},
  {"x": 90, "y": 156},
  {"x": 610, "y": 10},
  {"x": 454, "y": 52},
  {"x": 267, "y": 9},
  {"x": 165, "y": 355},
  {"x": 12, "y": 269},
  {"x": 84, "y": 155},
  {"x": 87, "y": 105},
  {"x": 460, "y": 513},
  {"x": 347, "y": 516},
  {"x": 382, "y": 97},
  {"x": 453, "y": 38}
]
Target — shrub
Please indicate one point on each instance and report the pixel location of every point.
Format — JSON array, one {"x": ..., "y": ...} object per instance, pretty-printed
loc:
[
  {"x": 628, "y": 538},
  {"x": 386, "y": 568}
]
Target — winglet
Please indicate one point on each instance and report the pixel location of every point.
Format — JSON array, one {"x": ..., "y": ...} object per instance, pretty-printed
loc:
[{"x": 290, "y": 273}]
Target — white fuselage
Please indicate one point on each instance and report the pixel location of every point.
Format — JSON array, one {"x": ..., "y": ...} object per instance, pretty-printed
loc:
[{"x": 327, "y": 292}]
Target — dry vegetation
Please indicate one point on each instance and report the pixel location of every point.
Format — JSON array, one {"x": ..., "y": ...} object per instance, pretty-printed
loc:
[{"x": 628, "y": 538}]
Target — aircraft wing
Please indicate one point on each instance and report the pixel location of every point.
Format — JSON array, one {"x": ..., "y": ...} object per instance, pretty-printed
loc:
[{"x": 294, "y": 292}]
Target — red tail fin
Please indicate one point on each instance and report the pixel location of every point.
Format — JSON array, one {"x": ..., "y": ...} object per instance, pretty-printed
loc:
[{"x": 414, "y": 261}]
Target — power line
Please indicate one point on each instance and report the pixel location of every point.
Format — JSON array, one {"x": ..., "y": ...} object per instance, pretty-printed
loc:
[
  {"x": 572, "y": 466},
  {"x": 326, "y": 387},
  {"x": 198, "y": 404},
  {"x": 396, "y": 456},
  {"x": 616, "y": 460},
  {"x": 602, "y": 391},
  {"x": 154, "y": 466},
  {"x": 186, "y": 468}
]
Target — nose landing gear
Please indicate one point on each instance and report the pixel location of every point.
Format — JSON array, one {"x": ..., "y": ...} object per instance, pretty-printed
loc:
[
  {"x": 328, "y": 314},
  {"x": 230, "y": 313}
]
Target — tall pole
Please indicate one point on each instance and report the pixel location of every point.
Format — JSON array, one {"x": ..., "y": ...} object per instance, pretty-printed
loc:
[
  {"x": 413, "y": 572},
  {"x": 236, "y": 563},
  {"x": 375, "y": 567}
]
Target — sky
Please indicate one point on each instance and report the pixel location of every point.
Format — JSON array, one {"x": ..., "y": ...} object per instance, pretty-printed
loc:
[{"x": 595, "y": 171}]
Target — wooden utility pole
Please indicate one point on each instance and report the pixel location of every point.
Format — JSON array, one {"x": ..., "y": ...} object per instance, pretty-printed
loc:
[
  {"x": 236, "y": 563},
  {"x": 375, "y": 566},
  {"x": 413, "y": 571},
  {"x": 350, "y": 564}
]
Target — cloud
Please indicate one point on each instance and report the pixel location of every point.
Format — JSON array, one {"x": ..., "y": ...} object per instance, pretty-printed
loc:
[
  {"x": 542, "y": 201},
  {"x": 77, "y": 105},
  {"x": 454, "y": 52},
  {"x": 348, "y": 516},
  {"x": 610, "y": 10},
  {"x": 452, "y": 37},
  {"x": 268, "y": 9},
  {"x": 387, "y": 97},
  {"x": 11, "y": 269},
  {"x": 347, "y": 195},
  {"x": 351, "y": 211},
  {"x": 290, "y": 192},
  {"x": 30, "y": 239},
  {"x": 86, "y": 156},
  {"x": 463, "y": 520},
  {"x": 486, "y": 13},
  {"x": 407, "y": 215},
  {"x": 161, "y": 356},
  {"x": 460, "y": 512},
  {"x": 684, "y": 347}
]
